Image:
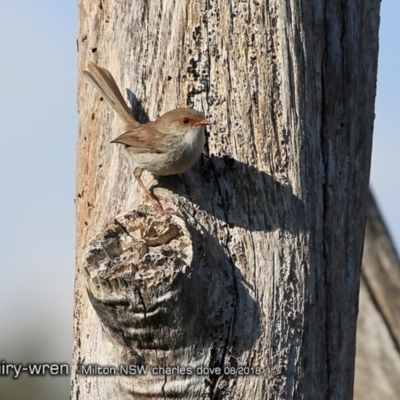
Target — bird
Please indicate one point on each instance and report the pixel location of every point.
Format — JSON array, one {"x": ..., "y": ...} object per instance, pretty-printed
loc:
[{"x": 170, "y": 145}]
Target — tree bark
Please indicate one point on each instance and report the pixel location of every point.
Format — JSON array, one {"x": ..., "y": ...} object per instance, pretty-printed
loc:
[
  {"x": 378, "y": 330},
  {"x": 257, "y": 273}
]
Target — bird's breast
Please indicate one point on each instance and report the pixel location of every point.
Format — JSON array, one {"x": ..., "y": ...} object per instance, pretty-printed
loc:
[{"x": 182, "y": 152}]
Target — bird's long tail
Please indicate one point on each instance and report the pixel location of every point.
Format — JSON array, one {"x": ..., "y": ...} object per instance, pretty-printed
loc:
[{"x": 106, "y": 84}]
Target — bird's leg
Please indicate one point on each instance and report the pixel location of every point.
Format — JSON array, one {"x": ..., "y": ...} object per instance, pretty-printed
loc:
[{"x": 156, "y": 203}]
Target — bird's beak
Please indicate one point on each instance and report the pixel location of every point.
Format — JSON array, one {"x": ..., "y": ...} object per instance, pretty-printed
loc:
[{"x": 202, "y": 122}]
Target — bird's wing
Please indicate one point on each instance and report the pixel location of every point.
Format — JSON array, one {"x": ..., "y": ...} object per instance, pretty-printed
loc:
[{"x": 142, "y": 139}]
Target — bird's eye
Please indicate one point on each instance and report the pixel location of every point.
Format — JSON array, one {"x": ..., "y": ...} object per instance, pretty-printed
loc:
[{"x": 185, "y": 120}]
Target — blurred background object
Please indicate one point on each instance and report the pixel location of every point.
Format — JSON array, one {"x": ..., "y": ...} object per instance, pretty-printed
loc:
[{"x": 378, "y": 329}]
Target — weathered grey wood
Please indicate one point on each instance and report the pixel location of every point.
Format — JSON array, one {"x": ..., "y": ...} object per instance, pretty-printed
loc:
[
  {"x": 269, "y": 227},
  {"x": 378, "y": 331}
]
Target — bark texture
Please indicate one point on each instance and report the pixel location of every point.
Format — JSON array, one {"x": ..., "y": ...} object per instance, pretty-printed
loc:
[
  {"x": 260, "y": 266},
  {"x": 378, "y": 330}
]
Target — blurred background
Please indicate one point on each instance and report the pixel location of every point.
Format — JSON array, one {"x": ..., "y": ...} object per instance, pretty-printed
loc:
[{"x": 38, "y": 128}]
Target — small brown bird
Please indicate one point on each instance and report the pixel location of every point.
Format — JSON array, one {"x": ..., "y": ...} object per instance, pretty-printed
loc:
[{"x": 170, "y": 145}]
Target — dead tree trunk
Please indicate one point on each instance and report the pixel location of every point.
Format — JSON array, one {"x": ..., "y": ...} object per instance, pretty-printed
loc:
[
  {"x": 250, "y": 290},
  {"x": 378, "y": 329}
]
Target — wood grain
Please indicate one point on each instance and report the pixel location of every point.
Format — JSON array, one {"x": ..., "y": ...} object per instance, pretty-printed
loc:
[{"x": 274, "y": 211}]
